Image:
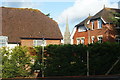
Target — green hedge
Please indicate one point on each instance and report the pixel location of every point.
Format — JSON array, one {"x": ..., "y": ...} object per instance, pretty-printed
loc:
[{"x": 62, "y": 60}]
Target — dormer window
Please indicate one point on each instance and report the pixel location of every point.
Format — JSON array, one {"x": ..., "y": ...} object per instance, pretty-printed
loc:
[
  {"x": 92, "y": 25},
  {"x": 99, "y": 23},
  {"x": 81, "y": 29}
]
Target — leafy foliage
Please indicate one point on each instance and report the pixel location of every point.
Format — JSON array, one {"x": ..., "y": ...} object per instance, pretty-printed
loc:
[
  {"x": 15, "y": 62},
  {"x": 61, "y": 60},
  {"x": 66, "y": 60}
]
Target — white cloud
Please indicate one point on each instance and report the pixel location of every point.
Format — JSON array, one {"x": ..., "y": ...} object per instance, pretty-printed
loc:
[
  {"x": 38, "y": 0},
  {"x": 82, "y": 8}
]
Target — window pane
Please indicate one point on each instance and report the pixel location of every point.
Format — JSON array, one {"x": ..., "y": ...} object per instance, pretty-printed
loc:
[
  {"x": 82, "y": 41},
  {"x": 3, "y": 41},
  {"x": 100, "y": 39},
  {"x": 38, "y": 42},
  {"x": 92, "y": 25},
  {"x": 99, "y": 24},
  {"x": 78, "y": 41}
]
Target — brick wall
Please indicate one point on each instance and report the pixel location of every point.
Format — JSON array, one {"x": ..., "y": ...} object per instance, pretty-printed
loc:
[
  {"x": 107, "y": 31},
  {"x": 48, "y": 42},
  {"x": 29, "y": 43}
]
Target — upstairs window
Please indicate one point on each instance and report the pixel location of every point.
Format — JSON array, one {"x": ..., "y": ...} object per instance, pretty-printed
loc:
[
  {"x": 99, "y": 23},
  {"x": 38, "y": 42},
  {"x": 3, "y": 41},
  {"x": 81, "y": 29},
  {"x": 92, "y": 25}
]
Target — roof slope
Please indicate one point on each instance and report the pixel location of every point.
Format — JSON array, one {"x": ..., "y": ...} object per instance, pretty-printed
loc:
[
  {"x": 84, "y": 22},
  {"x": 28, "y": 23},
  {"x": 106, "y": 14}
]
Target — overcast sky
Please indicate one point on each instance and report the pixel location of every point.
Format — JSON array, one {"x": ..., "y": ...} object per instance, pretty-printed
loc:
[{"x": 75, "y": 10}]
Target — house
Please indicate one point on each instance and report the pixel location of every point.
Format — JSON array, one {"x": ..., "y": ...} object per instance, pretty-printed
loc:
[
  {"x": 27, "y": 27},
  {"x": 97, "y": 28}
]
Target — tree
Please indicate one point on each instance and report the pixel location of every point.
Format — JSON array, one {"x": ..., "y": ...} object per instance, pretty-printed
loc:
[{"x": 15, "y": 63}]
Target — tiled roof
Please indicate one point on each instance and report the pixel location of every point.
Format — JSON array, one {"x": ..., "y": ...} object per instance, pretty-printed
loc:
[
  {"x": 84, "y": 21},
  {"x": 106, "y": 14},
  {"x": 28, "y": 23}
]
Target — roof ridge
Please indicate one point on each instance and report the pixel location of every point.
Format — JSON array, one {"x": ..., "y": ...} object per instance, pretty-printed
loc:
[
  {"x": 111, "y": 8},
  {"x": 31, "y": 9}
]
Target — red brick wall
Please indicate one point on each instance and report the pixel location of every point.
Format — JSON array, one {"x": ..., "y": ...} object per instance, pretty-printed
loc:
[
  {"x": 29, "y": 43},
  {"x": 48, "y": 42},
  {"x": 108, "y": 34},
  {"x": 80, "y": 34}
]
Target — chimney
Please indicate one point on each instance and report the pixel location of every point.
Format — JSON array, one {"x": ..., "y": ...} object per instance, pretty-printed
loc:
[{"x": 119, "y": 5}]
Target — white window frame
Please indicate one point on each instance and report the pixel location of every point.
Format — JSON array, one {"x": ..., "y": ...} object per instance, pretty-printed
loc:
[
  {"x": 117, "y": 39},
  {"x": 78, "y": 41},
  {"x": 92, "y": 39},
  {"x": 79, "y": 30},
  {"x": 117, "y": 26},
  {"x": 99, "y": 24},
  {"x": 100, "y": 40},
  {"x": 92, "y": 25},
  {"x": 3, "y": 41},
  {"x": 81, "y": 40},
  {"x": 39, "y": 43}
]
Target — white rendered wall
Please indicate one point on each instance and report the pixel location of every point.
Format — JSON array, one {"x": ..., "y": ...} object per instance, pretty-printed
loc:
[{"x": 12, "y": 45}]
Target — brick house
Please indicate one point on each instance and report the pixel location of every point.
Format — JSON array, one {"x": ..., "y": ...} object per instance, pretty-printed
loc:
[
  {"x": 97, "y": 28},
  {"x": 27, "y": 27}
]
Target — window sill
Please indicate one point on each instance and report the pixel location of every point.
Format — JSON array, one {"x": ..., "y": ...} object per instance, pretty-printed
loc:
[
  {"x": 99, "y": 28},
  {"x": 81, "y": 31}
]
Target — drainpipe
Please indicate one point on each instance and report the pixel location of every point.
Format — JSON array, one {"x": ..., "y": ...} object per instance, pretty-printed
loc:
[
  {"x": 43, "y": 59},
  {"x": 88, "y": 53}
]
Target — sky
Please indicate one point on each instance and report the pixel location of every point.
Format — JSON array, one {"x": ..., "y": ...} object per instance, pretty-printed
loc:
[{"x": 75, "y": 10}]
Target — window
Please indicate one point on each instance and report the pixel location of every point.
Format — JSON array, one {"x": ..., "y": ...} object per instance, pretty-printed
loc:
[
  {"x": 118, "y": 26},
  {"x": 100, "y": 39},
  {"x": 38, "y": 42},
  {"x": 92, "y": 38},
  {"x": 81, "y": 40},
  {"x": 99, "y": 24},
  {"x": 81, "y": 29},
  {"x": 3, "y": 41},
  {"x": 78, "y": 41},
  {"x": 92, "y": 25},
  {"x": 118, "y": 39}
]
